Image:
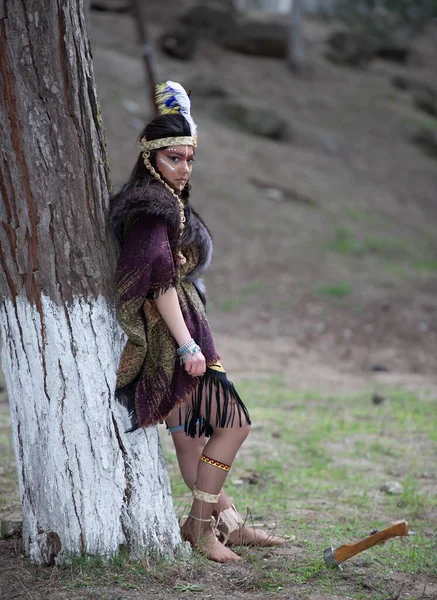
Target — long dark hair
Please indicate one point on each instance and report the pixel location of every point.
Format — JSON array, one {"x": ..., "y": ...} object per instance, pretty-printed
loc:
[{"x": 160, "y": 127}]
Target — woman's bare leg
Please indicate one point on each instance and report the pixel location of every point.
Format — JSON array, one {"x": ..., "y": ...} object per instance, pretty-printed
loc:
[
  {"x": 197, "y": 528},
  {"x": 188, "y": 452},
  {"x": 221, "y": 448}
]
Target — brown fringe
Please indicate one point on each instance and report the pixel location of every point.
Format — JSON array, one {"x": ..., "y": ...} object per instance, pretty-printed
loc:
[
  {"x": 214, "y": 386},
  {"x": 156, "y": 292}
]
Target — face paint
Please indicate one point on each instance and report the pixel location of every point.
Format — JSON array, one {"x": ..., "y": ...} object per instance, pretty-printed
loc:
[
  {"x": 175, "y": 165},
  {"x": 164, "y": 162}
]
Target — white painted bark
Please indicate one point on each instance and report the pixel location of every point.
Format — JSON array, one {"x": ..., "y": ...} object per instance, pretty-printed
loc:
[{"x": 85, "y": 485}]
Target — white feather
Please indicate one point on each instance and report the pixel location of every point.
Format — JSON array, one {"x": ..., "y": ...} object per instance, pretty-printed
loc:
[{"x": 185, "y": 104}]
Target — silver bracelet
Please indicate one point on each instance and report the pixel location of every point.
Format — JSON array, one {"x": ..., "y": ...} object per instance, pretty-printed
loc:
[
  {"x": 188, "y": 355},
  {"x": 189, "y": 346}
]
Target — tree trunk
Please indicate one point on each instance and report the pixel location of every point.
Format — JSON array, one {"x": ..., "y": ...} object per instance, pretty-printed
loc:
[
  {"x": 296, "y": 55},
  {"x": 85, "y": 486},
  {"x": 148, "y": 52}
]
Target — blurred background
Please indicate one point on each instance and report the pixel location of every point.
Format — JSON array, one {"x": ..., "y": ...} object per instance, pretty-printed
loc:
[{"x": 316, "y": 168}]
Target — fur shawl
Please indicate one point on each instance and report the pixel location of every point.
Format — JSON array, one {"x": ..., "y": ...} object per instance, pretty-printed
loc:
[{"x": 149, "y": 198}]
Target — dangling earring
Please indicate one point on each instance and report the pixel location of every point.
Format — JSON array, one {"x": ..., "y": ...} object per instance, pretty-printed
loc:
[{"x": 157, "y": 176}]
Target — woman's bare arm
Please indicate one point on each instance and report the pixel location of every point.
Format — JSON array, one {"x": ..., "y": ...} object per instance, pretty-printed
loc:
[{"x": 170, "y": 310}]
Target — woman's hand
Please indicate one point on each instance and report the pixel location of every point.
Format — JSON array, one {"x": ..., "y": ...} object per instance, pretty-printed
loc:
[{"x": 196, "y": 365}]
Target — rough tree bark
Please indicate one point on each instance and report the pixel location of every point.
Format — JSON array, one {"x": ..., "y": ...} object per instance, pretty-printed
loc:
[{"x": 85, "y": 486}]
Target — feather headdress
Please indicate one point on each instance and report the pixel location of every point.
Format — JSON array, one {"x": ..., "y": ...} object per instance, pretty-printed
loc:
[{"x": 172, "y": 99}]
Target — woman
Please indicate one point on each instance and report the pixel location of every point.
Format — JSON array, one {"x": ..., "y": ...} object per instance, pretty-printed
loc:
[{"x": 169, "y": 369}]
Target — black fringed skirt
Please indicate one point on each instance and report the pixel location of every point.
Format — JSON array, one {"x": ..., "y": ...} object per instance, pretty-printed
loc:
[{"x": 214, "y": 403}]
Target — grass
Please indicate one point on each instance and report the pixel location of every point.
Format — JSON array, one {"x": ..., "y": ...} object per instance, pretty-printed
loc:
[
  {"x": 421, "y": 119},
  {"x": 242, "y": 297},
  {"x": 314, "y": 468},
  {"x": 426, "y": 265},
  {"x": 398, "y": 255},
  {"x": 336, "y": 290},
  {"x": 311, "y": 470},
  {"x": 346, "y": 242}
]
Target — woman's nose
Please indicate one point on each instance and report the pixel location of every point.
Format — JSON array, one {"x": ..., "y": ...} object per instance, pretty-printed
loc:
[{"x": 185, "y": 167}]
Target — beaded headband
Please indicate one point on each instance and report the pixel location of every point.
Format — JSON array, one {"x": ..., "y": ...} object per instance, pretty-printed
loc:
[{"x": 170, "y": 141}]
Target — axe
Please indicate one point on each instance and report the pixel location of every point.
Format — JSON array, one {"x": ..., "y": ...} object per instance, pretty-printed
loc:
[{"x": 334, "y": 558}]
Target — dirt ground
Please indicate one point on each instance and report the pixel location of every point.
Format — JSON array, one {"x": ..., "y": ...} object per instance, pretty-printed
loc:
[{"x": 336, "y": 293}]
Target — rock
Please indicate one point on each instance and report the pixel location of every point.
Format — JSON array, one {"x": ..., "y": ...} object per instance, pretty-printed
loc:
[
  {"x": 378, "y": 399},
  {"x": 379, "y": 368},
  {"x": 425, "y": 98},
  {"x": 349, "y": 48},
  {"x": 219, "y": 24},
  {"x": 424, "y": 94},
  {"x": 237, "y": 481},
  {"x": 282, "y": 194},
  {"x": 212, "y": 22},
  {"x": 358, "y": 48},
  {"x": 206, "y": 86},
  {"x": 259, "y": 121},
  {"x": 253, "y": 478},
  {"x": 400, "y": 82},
  {"x": 426, "y": 139},
  {"x": 394, "y": 43},
  {"x": 258, "y": 39},
  {"x": 178, "y": 43},
  {"x": 10, "y": 529},
  {"x": 114, "y": 6},
  {"x": 274, "y": 194},
  {"x": 394, "y": 488}
]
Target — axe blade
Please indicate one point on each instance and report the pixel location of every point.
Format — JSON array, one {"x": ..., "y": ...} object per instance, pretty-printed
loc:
[{"x": 329, "y": 557}]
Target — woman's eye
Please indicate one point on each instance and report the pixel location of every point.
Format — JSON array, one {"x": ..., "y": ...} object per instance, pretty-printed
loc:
[{"x": 174, "y": 158}]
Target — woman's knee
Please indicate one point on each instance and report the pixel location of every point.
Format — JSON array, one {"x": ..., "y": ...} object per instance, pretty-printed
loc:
[
  {"x": 245, "y": 430},
  {"x": 236, "y": 433},
  {"x": 185, "y": 444}
]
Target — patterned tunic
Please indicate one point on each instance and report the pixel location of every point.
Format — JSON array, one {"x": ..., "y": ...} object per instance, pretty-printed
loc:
[{"x": 150, "y": 381}]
